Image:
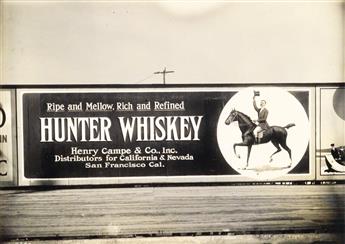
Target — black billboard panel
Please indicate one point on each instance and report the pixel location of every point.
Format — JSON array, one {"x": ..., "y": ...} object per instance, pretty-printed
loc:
[{"x": 71, "y": 136}]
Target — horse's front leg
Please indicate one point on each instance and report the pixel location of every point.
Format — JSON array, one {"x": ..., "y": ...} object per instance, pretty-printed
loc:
[
  {"x": 242, "y": 144},
  {"x": 239, "y": 144}
]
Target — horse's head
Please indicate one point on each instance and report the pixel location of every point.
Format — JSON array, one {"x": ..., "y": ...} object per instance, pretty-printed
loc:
[{"x": 232, "y": 117}]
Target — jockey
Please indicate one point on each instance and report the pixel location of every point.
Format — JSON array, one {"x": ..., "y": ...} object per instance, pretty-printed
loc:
[{"x": 261, "y": 122}]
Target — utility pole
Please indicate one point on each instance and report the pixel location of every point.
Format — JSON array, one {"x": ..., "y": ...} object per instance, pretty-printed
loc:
[{"x": 164, "y": 72}]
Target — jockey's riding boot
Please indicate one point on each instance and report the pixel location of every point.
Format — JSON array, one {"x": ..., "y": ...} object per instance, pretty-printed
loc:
[{"x": 257, "y": 139}]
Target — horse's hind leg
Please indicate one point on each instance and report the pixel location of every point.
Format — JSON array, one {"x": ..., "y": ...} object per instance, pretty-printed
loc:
[
  {"x": 276, "y": 144},
  {"x": 283, "y": 144},
  {"x": 248, "y": 154}
]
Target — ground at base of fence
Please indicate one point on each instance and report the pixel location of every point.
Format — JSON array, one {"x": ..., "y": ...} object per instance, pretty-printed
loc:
[
  {"x": 159, "y": 212},
  {"x": 240, "y": 239}
]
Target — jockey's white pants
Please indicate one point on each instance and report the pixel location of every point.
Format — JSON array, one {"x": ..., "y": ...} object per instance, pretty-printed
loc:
[{"x": 257, "y": 131}]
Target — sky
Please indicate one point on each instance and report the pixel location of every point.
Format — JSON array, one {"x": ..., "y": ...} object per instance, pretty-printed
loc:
[{"x": 55, "y": 42}]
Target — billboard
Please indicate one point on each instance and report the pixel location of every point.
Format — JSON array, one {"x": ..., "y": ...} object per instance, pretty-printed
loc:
[
  {"x": 162, "y": 135},
  {"x": 330, "y": 150},
  {"x": 8, "y": 160}
]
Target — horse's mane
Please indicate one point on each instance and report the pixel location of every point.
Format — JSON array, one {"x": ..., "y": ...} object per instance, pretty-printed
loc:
[{"x": 246, "y": 116}]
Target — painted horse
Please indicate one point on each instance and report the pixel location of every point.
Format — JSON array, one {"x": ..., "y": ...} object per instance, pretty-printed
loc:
[{"x": 275, "y": 134}]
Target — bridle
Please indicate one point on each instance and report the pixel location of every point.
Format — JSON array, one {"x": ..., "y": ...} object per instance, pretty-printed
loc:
[{"x": 234, "y": 114}]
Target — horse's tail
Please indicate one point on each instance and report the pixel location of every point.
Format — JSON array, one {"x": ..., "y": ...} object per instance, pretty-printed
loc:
[{"x": 289, "y": 125}]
